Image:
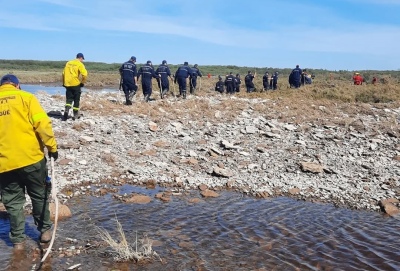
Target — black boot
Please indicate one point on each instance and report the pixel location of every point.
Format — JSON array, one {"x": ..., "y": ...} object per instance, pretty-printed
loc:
[
  {"x": 76, "y": 115},
  {"x": 66, "y": 112},
  {"x": 184, "y": 94}
]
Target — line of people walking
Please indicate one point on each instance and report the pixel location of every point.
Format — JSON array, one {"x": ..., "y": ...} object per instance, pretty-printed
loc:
[{"x": 130, "y": 77}]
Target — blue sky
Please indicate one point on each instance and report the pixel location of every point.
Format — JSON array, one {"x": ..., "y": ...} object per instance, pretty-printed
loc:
[{"x": 326, "y": 34}]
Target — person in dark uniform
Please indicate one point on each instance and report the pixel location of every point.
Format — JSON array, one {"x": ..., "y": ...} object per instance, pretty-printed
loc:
[
  {"x": 238, "y": 81},
  {"x": 295, "y": 77},
  {"x": 147, "y": 72},
  {"x": 181, "y": 74},
  {"x": 193, "y": 78},
  {"x": 274, "y": 81},
  {"x": 164, "y": 72},
  {"x": 128, "y": 74},
  {"x": 265, "y": 81},
  {"x": 220, "y": 85},
  {"x": 248, "y": 80},
  {"x": 230, "y": 83}
]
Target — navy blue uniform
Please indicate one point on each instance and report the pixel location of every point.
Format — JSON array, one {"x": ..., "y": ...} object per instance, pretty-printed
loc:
[
  {"x": 181, "y": 75},
  {"x": 266, "y": 81},
  {"x": 274, "y": 81},
  {"x": 248, "y": 80},
  {"x": 220, "y": 86},
  {"x": 230, "y": 84},
  {"x": 147, "y": 73},
  {"x": 238, "y": 81},
  {"x": 193, "y": 78},
  {"x": 128, "y": 74},
  {"x": 164, "y": 71},
  {"x": 295, "y": 77}
]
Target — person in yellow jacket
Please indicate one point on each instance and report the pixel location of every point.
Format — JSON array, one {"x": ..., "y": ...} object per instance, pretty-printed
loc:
[
  {"x": 74, "y": 78},
  {"x": 25, "y": 131}
]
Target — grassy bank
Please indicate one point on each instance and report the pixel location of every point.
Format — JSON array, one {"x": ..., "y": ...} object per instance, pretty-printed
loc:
[{"x": 334, "y": 86}]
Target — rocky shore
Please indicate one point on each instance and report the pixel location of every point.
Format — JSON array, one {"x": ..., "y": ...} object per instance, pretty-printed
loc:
[{"x": 353, "y": 166}]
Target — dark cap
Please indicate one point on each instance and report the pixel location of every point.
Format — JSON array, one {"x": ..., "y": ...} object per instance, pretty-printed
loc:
[
  {"x": 164, "y": 62},
  {"x": 133, "y": 58},
  {"x": 148, "y": 62},
  {"x": 185, "y": 63},
  {"x": 80, "y": 55},
  {"x": 195, "y": 65},
  {"x": 9, "y": 79}
]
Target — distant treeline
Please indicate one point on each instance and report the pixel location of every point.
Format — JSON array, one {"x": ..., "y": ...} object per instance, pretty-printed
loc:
[{"x": 36, "y": 65}]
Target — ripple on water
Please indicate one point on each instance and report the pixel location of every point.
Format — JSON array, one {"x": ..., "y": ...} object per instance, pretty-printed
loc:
[{"x": 233, "y": 232}]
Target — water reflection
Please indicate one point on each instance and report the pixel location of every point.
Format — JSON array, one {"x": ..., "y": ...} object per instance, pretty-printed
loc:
[
  {"x": 233, "y": 232},
  {"x": 53, "y": 90}
]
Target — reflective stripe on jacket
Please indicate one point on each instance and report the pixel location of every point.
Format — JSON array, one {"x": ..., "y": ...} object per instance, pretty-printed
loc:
[
  {"x": 25, "y": 129},
  {"x": 74, "y": 73}
]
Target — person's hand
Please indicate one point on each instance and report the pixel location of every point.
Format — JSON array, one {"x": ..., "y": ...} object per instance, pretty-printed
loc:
[
  {"x": 53, "y": 155},
  {"x": 81, "y": 85}
]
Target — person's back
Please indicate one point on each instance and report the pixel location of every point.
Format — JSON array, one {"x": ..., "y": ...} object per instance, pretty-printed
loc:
[
  {"x": 296, "y": 76},
  {"x": 195, "y": 72},
  {"x": 274, "y": 81},
  {"x": 163, "y": 71},
  {"x": 128, "y": 74},
  {"x": 238, "y": 82},
  {"x": 147, "y": 73},
  {"x": 248, "y": 80},
  {"x": 220, "y": 85},
  {"x": 128, "y": 70},
  {"x": 230, "y": 83},
  {"x": 181, "y": 74},
  {"x": 265, "y": 81},
  {"x": 74, "y": 78},
  {"x": 72, "y": 70}
]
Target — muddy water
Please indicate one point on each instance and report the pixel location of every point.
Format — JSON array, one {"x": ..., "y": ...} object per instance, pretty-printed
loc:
[{"x": 231, "y": 232}]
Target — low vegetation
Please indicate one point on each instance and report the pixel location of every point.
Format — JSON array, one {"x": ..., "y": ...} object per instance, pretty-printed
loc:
[{"x": 123, "y": 251}]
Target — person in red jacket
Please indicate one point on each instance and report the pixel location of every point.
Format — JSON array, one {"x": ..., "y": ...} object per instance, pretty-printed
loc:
[{"x": 357, "y": 79}]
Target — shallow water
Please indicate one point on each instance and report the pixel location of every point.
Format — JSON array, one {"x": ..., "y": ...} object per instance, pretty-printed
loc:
[
  {"x": 230, "y": 232},
  {"x": 52, "y": 90}
]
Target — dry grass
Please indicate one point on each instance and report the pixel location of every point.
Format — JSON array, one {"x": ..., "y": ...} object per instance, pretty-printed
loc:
[
  {"x": 327, "y": 101},
  {"x": 335, "y": 102},
  {"x": 140, "y": 250}
]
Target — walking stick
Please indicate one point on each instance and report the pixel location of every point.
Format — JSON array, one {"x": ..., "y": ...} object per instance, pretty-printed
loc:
[{"x": 54, "y": 196}]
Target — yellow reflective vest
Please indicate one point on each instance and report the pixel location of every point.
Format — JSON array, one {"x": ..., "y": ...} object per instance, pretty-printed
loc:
[
  {"x": 25, "y": 129},
  {"x": 74, "y": 73}
]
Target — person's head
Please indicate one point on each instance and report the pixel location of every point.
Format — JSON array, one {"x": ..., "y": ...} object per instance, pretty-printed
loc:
[
  {"x": 164, "y": 62},
  {"x": 185, "y": 63},
  {"x": 230, "y": 73},
  {"x": 219, "y": 77},
  {"x": 195, "y": 65},
  {"x": 266, "y": 73},
  {"x": 249, "y": 72},
  {"x": 149, "y": 62},
  {"x": 10, "y": 79},
  {"x": 133, "y": 58},
  {"x": 237, "y": 75},
  {"x": 297, "y": 66},
  {"x": 80, "y": 56}
]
